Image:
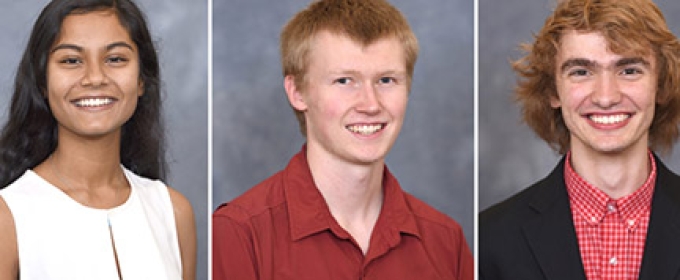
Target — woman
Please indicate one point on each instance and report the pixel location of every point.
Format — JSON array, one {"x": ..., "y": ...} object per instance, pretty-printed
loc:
[{"x": 82, "y": 154}]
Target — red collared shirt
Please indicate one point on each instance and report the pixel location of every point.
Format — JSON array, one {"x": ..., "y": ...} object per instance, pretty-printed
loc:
[
  {"x": 283, "y": 229},
  {"x": 611, "y": 233}
]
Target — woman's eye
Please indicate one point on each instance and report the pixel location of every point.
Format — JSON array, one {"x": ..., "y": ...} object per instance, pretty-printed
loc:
[
  {"x": 117, "y": 59},
  {"x": 70, "y": 60}
]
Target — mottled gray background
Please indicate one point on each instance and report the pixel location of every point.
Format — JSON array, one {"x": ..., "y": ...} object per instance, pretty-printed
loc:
[
  {"x": 511, "y": 157},
  {"x": 180, "y": 30},
  {"x": 255, "y": 131}
]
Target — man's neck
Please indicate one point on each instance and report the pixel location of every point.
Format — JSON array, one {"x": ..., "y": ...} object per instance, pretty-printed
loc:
[
  {"x": 616, "y": 174},
  {"x": 353, "y": 193}
]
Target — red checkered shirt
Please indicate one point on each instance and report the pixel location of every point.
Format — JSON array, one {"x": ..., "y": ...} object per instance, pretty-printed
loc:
[{"x": 611, "y": 233}]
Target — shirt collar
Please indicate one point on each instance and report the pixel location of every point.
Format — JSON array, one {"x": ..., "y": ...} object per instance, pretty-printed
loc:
[
  {"x": 592, "y": 203},
  {"x": 309, "y": 213}
]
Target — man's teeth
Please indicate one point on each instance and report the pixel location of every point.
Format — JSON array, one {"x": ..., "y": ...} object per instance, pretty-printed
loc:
[
  {"x": 93, "y": 102},
  {"x": 610, "y": 119},
  {"x": 365, "y": 129}
]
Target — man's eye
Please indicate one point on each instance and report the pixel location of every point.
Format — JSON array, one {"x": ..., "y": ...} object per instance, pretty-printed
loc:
[
  {"x": 343, "y": 81},
  {"x": 631, "y": 71},
  {"x": 387, "y": 80},
  {"x": 578, "y": 72}
]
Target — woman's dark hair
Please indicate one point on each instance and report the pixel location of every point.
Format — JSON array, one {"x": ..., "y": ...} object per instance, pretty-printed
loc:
[{"x": 30, "y": 134}]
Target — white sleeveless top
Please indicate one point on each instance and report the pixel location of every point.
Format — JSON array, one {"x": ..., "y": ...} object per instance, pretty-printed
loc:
[{"x": 59, "y": 238}]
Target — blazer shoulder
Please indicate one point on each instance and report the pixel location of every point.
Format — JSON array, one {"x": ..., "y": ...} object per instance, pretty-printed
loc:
[
  {"x": 510, "y": 210},
  {"x": 665, "y": 176},
  {"x": 526, "y": 203},
  {"x": 667, "y": 185}
]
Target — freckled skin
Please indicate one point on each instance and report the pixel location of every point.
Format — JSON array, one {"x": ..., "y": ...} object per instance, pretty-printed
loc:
[{"x": 348, "y": 86}]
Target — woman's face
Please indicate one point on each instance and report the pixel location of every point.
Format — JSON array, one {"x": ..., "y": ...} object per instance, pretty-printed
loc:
[{"x": 93, "y": 75}]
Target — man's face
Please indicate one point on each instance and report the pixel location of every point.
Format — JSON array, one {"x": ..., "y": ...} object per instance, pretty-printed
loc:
[
  {"x": 607, "y": 99},
  {"x": 354, "y": 99}
]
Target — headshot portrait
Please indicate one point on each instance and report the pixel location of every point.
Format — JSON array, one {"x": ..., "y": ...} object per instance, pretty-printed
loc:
[
  {"x": 256, "y": 132},
  {"x": 578, "y": 123},
  {"x": 89, "y": 79},
  {"x": 511, "y": 156}
]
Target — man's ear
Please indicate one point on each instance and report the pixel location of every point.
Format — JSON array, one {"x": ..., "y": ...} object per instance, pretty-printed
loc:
[
  {"x": 555, "y": 102},
  {"x": 295, "y": 97}
]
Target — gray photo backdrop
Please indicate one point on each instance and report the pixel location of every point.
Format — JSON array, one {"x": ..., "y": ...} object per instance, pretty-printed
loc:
[
  {"x": 255, "y": 131},
  {"x": 180, "y": 29},
  {"x": 511, "y": 156}
]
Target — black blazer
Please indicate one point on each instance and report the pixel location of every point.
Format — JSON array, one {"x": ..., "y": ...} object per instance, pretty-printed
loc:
[{"x": 531, "y": 235}]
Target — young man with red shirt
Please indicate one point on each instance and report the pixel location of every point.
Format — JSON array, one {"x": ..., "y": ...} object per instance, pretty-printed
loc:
[
  {"x": 600, "y": 85},
  {"x": 336, "y": 212}
]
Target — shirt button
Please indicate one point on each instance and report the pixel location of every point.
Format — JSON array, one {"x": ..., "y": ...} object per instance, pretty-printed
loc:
[
  {"x": 611, "y": 207},
  {"x": 613, "y": 261},
  {"x": 631, "y": 222}
]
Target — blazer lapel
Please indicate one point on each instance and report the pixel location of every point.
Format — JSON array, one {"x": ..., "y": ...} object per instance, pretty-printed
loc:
[
  {"x": 661, "y": 258},
  {"x": 551, "y": 234}
]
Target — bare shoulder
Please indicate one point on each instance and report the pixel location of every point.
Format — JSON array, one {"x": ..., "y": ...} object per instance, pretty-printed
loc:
[
  {"x": 184, "y": 216},
  {"x": 9, "y": 256},
  {"x": 180, "y": 203},
  {"x": 186, "y": 232}
]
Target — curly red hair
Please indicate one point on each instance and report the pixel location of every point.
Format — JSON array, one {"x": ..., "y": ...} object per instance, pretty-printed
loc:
[{"x": 629, "y": 26}]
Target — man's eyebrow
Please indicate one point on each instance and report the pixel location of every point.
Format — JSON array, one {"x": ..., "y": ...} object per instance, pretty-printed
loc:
[
  {"x": 393, "y": 72},
  {"x": 576, "y": 62},
  {"x": 631, "y": 60},
  {"x": 343, "y": 72}
]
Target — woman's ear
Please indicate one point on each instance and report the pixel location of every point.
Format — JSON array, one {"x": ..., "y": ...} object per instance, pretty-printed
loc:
[{"x": 140, "y": 89}]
